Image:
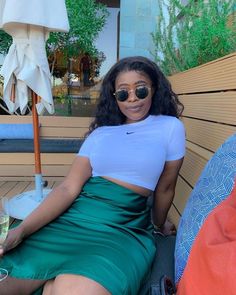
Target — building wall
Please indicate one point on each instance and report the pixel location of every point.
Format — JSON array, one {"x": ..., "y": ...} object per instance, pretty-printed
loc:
[
  {"x": 137, "y": 22},
  {"x": 108, "y": 39}
]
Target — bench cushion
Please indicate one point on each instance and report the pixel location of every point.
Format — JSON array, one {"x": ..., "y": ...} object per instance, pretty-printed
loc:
[
  {"x": 46, "y": 145},
  {"x": 213, "y": 186},
  {"x": 16, "y": 131}
]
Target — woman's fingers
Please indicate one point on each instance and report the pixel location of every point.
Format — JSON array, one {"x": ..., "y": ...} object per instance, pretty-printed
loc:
[{"x": 169, "y": 228}]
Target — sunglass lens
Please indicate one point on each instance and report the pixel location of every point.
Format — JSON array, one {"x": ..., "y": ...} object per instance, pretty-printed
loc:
[
  {"x": 122, "y": 95},
  {"x": 141, "y": 92}
]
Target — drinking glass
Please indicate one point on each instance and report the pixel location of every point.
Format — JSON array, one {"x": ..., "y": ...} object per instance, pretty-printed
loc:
[{"x": 4, "y": 225}]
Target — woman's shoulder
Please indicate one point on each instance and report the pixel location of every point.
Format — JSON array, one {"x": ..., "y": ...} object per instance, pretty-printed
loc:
[{"x": 171, "y": 127}]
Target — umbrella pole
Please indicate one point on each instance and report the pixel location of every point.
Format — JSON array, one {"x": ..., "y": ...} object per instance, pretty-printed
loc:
[
  {"x": 23, "y": 204},
  {"x": 38, "y": 173}
]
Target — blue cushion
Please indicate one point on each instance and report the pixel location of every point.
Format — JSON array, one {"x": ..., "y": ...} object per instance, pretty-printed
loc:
[
  {"x": 16, "y": 131},
  {"x": 213, "y": 186},
  {"x": 46, "y": 145}
]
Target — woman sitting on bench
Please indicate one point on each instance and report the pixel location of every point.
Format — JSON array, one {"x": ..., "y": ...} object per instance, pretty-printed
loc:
[{"x": 92, "y": 234}]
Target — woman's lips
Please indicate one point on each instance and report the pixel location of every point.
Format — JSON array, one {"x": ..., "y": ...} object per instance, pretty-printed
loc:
[{"x": 134, "y": 108}]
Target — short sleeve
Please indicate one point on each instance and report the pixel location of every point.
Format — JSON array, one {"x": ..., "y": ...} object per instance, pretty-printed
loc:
[
  {"x": 176, "y": 143},
  {"x": 86, "y": 147}
]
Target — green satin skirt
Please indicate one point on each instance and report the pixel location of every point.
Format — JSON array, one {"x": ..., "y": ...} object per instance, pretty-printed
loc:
[{"x": 105, "y": 236}]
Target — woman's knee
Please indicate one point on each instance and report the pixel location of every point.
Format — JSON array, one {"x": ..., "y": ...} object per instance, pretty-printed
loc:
[{"x": 76, "y": 285}]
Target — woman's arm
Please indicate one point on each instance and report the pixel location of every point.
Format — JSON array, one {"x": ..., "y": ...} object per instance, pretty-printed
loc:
[
  {"x": 164, "y": 192},
  {"x": 60, "y": 198},
  {"x": 55, "y": 204}
]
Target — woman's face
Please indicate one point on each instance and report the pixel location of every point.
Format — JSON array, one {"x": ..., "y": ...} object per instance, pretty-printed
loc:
[{"x": 132, "y": 84}]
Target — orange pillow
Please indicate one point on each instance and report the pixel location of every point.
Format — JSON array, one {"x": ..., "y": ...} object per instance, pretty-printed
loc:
[{"x": 211, "y": 266}]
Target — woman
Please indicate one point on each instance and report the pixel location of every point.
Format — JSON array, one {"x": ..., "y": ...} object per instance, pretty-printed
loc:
[{"x": 93, "y": 234}]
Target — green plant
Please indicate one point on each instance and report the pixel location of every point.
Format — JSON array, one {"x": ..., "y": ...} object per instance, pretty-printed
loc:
[
  {"x": 86, "y": 17},
  {"x": 189, "y": 35},
  {"x": 5, "y": 42}
]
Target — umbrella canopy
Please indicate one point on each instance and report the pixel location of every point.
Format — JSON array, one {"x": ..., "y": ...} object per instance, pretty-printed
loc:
[
  {"x": 26, "y": 65},
  {"x": 26, "y": 73}
]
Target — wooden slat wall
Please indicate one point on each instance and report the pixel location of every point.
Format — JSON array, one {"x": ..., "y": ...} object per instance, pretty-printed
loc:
[
  {"x": 217, "y": 75},
  {"x": 20, "y": 166},
  {"x": 207, "y": 134},
  {"x": 208, "y": 93}
]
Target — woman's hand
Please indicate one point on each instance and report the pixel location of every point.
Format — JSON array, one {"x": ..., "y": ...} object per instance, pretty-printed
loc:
[
  {"x": 168, "y": 228},
  {"x": 14, "y": 238}
]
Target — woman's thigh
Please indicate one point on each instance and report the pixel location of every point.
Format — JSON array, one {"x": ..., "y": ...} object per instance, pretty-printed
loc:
[
  {"x": 76, "y": 285},
  {"x": 13, "y": 286}
]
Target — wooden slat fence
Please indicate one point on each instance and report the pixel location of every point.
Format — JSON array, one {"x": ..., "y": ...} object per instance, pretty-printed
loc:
[{"x": 208, "y": 93}]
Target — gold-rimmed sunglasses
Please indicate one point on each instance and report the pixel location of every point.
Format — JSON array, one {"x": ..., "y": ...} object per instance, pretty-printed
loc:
[{"x": 141, "y": 92}]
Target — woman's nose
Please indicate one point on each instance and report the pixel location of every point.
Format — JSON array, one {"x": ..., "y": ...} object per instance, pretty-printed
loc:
[{"x": 132, "y": 96}]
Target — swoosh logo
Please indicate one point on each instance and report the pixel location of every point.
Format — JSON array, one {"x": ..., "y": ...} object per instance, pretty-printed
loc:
[{"x": 129, "y": 132}]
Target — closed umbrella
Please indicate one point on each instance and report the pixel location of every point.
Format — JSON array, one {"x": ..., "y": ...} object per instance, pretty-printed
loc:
[{"x": 27, "y": 76}]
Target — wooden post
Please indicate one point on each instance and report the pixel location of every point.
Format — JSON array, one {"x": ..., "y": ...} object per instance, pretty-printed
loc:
[{"x": 35, "y": 99}]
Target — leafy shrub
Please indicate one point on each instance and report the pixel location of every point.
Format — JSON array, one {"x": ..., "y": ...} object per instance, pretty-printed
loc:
[{"x": 190, "y": 35}]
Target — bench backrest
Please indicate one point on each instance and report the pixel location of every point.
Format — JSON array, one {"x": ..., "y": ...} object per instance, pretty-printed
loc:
[
  {"x": 208, "y": 93},
  {"x": 15, "y": 166}
]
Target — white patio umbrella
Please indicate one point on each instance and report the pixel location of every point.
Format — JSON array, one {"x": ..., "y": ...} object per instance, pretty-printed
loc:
[{"x": 27, "y": 76}]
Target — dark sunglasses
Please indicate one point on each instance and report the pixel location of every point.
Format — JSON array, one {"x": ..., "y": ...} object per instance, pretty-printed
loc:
[{"x": 141, "y": 92}]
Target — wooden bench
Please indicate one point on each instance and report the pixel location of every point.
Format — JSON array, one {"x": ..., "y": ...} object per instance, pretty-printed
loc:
[
  {"x": 20, "y": 166},
  {"x": 208, "y": 93}
]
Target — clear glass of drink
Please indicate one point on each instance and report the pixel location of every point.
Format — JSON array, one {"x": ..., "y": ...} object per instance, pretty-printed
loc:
[{"x": 4, "y": 225}]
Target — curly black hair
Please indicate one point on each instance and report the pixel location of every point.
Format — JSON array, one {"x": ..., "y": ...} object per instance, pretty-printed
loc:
[{"x": 164, "y": 100}]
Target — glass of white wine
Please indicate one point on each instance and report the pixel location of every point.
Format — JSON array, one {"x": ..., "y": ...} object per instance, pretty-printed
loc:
[{"x": 4, "y": 225}]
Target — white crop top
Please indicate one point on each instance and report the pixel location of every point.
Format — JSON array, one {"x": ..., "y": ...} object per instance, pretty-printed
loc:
[{"x": 135, "y": 153}]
